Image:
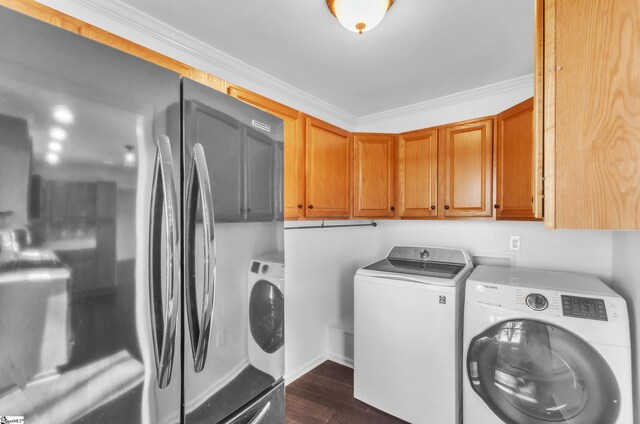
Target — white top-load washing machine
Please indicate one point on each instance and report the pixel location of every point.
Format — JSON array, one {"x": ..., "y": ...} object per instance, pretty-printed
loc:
[
  {"x": 407, "y": 333},
  {"x": 266, "y": 314},
  {"x": 545, "y": 347}
]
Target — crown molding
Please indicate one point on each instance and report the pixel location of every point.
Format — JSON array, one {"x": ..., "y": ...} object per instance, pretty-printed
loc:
[
  {"x": 128, "y": 22},
  {"x": 502, "y": 87}
]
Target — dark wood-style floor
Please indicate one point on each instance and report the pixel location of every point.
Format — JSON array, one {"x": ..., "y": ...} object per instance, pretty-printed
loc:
[{"x": 325, "y": 395}]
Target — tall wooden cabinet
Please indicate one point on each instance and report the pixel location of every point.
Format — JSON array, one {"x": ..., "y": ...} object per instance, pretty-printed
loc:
[
  {"x": 417, "y": 174},
  {"x": 592, "y": 114},
  {"x": 515, "y": 161},
  {"x": 466, "y": 151},
  {"x": 294, "y": 203},
  {"x": 329, "y": 173},
  {"x": 374, "y": 175}
]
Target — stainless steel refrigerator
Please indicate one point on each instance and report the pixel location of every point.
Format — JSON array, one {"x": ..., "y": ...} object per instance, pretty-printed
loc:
[{"x": 132, "y": 206}]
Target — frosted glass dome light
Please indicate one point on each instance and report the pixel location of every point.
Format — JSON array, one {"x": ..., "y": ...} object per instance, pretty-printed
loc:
[{"x": 359, "y": 15}]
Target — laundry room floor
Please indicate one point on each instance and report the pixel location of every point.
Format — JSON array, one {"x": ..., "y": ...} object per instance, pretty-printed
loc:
[{"x": 325, "y": 395}]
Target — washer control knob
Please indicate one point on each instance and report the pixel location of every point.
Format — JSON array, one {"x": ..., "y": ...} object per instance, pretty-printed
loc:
[
  {"x": 537, "y": 302},
  {"x": 424, "y": 254},
  {"x": 265, "y": 269}
]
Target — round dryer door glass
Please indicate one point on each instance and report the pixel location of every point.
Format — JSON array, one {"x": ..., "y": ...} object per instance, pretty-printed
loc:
[
  {"x": 530, "y": 372},
  {"x": 266, "y": 316}
]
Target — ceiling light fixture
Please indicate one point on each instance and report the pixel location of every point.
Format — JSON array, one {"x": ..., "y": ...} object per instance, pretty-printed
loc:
[
  {"x": 62, "y": 114},
  {"x": 359, "y": 15},
  {"x": 52, "y": 158},
  {"x": 129, "y": 156},
  {"x": 55, "y": 146},
  {"x": 57, "y": 133}
]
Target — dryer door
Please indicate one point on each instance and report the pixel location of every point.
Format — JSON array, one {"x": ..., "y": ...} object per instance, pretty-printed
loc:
[
  {"x": 530, "y": 372},
  {"x": 266, "y": 316}
]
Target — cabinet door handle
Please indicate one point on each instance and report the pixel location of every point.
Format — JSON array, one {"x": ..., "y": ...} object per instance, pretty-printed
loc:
[
  {"x": 300, "y": 206},
  {"x": 496, "y": 206},
  {"x": 310, "y": 206},
  {"x": 433, "y": 208},
  {"x": 446, "y": 207},
  {"x": 392, "y": 208}
]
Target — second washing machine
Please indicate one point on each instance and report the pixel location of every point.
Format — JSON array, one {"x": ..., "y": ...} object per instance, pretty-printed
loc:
[
  {"x": 545, "y": 347},
  {"x": 266, "y": 314}
]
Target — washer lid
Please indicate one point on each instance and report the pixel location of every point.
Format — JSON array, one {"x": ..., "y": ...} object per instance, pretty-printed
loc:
[
  {"x": 421, "y": 268},
  {"x": 427, "y": 265}
]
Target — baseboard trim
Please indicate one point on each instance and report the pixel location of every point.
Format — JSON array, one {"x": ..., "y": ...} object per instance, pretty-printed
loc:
[
  {"x": 302, "y": 370},
  {"x": 342, "y": 360}
]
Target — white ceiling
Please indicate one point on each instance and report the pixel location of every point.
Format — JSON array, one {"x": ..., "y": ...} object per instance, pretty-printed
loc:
[{"x": 422, "y": 49}]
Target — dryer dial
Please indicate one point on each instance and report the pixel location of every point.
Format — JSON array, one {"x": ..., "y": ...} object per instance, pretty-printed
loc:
[{"x": 537, "y": 302}]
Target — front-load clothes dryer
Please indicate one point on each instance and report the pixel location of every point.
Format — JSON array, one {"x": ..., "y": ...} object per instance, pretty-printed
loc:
[
  {"x": 266, "y": 314},
  {"x": 545, "y": 347},
  {"x": 407, "y": 333}
]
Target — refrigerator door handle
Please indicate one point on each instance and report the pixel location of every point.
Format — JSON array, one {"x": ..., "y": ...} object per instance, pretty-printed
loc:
[
  {"x": 261, "y": 414},
  {"x": 199, "y": 186},
  {"x": 164, "y": 318}
]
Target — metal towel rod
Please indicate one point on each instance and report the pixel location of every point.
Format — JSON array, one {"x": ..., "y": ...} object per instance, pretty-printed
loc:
[{"x": 310, "y": 227}]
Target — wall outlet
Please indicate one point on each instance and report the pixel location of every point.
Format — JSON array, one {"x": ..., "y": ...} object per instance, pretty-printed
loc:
[
  {"x": 514, "y": 243},
  {"x": 221, "y": 337}
]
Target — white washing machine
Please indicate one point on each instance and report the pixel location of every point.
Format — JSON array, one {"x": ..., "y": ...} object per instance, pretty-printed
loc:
[
  {"x": 407, "y": 333},
  {"x": 545, "y": 347},
  {"x": 266, "y": 314}
]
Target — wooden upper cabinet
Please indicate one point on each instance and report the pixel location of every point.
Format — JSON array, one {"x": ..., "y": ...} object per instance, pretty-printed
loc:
[
  {"x": 293, "y": 148},
  {"x": 466, "y": 169},
  {"x": 374, "y": 175},
  {"x": 538, "y": 112},
  {"x": 417, "y": 174},
  {"x": 592, "y": 114},
  {"x": 515, "y": 160},
  {"x": 328, "y": 170}
]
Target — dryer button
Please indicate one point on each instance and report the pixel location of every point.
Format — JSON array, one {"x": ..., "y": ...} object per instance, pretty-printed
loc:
[
  {"x": 265, "y": 269},
  {"x": 537, "y": 302}
]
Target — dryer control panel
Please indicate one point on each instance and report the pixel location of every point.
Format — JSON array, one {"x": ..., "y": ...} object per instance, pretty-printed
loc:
[
  {"x": 545, "y": 303},
  {"x": 584, "y": 307},
  {"x": 268, "y": 269}
]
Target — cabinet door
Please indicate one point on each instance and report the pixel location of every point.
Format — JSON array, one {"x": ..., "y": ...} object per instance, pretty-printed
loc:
[
  {"x": 466, "y": 181},
  {"x": 106, "y": 198},
  {"x": 538, "y": 111},
  {"x": 328, "y": 170},
  {"x": 293, "y": 148},
  {"x": 279, "y": 182},
  {"x": 222, "y": 138},
  {"x": 418, "y": 174},
  {"x": 260, "y": 176},
  {"x": 374, "y": 176},
  {"x": 515, "y": 163},
  {"x": 592, "y": 114}
]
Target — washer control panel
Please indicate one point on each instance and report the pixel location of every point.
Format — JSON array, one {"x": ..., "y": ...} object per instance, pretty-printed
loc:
[
  {"x": 537, "y": 302},
  {"x": 584, "y": 307}
]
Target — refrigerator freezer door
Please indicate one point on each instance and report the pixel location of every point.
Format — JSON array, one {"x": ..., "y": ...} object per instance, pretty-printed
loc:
[
  {"x": 79, "y": 126},
  {"x": 268, "y": 409},
  {"x": 240, "y": 157}
]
